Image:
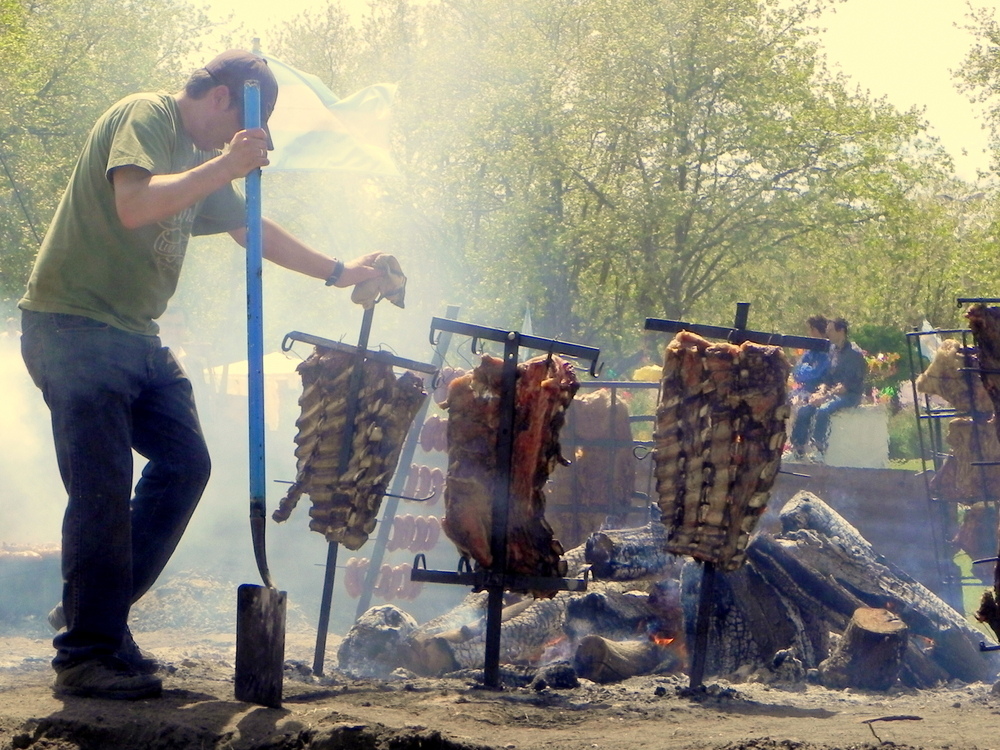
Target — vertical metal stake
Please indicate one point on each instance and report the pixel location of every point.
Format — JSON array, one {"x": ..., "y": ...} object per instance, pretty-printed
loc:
[
  {"x": 501, "y": 505},
  {"x": 706, "y": 594},
  {"x": 354, "y": 387}
]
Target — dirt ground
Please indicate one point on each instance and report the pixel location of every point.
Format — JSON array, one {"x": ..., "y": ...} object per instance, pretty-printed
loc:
[{"x": 198, "y": 710}]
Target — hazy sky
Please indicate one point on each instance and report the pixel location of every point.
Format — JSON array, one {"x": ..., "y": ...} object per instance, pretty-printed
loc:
[{"x": 902, "y": 49}]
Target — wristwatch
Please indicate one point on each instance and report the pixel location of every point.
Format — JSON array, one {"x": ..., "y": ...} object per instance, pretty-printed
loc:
[{"x": 338, "y": 269}]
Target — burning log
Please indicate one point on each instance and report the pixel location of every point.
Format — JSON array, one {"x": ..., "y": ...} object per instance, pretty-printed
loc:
[
  {"x": 601, "y": 660},
  {"x": 345, "y": 504},
  {"x": 781, "y": 606},
  {"x": 819, "y": 570},
  {"x": 870, "y": 653},
  {"x": 544, "y": 388},
  {"x": 538, "y": 630},
  {"x": 628, "y": 554},
  {"x": 720, "y": 431}
]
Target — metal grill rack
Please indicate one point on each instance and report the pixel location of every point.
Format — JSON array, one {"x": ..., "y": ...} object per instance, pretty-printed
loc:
[
  {"x": 496, "y": 580},
  {"x": 737, "y": 334},
  {"x": 931, "y": 419},
  {"x": 361, "y": 354}
]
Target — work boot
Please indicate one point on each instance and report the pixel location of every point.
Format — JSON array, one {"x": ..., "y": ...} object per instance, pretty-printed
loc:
[
  {"x": 129, "y": 652},
  {"x": 106, "y": 677},
  {"x": 141, "y": 661}
]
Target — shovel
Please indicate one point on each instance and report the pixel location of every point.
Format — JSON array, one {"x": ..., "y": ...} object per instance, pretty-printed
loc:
[{"x": 260, "y": 610}]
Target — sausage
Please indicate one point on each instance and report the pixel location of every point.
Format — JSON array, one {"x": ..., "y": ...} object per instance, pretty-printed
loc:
[
  {"x": 423, "y": 482},
  {"x": 419, "y": 534},
  {"x": 384, "y": 581},
  {"x": 428, "y": 434},
  {"x": 433, "y": 533},
  {"x": 352, "y": 578}
]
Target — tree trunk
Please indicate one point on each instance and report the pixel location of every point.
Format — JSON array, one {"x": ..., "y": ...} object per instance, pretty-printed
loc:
[{"x": 869, "y": 654}]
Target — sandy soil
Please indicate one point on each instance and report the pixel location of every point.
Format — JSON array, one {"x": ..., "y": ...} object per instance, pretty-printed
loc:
[{"x": 198, "y": 710}]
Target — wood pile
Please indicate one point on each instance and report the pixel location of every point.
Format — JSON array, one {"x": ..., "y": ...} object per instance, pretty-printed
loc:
[{"x": 790, "y": 605}]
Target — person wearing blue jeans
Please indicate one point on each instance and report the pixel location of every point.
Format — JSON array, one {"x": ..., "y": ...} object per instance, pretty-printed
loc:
[
  {"x": 841, "y": 388},
  {"x": 155, "y": 170}
]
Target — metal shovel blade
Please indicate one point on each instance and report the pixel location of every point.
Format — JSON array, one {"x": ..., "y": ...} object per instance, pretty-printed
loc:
[{"x": 260, "y": 644}]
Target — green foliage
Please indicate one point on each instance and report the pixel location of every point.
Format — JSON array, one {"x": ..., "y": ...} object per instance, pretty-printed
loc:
[
  {"x": 904, "y": 441},
  {"x": 600, "y": 161},
  {"x": 67, "y": 61}
]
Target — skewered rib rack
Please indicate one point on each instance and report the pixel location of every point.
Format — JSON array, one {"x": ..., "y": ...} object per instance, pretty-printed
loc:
[
  {"x": 736, "y": 335},
  {"x": 497, "y": 579},
  {"x": 361, "y": 354}
]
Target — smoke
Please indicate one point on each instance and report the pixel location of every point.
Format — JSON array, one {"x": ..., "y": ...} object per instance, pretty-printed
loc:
[
  {"x": 33, "y": 498},
  {"x": 206, "y": 328}
]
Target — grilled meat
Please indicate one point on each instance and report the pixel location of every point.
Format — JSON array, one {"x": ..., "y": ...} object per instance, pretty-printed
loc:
[
  {"x": 345, "y": 504},
  {"x": 720, "y": 430},
  {"x": 544, "y": 388}
]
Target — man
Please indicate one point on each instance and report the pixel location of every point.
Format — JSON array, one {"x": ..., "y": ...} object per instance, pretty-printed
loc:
[
  {"x": 809, "y": 371},
  {"x": 156, "y": 168},
  {"x": 841, "y": 388}
]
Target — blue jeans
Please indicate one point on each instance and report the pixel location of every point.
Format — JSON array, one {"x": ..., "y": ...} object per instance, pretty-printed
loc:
[
  {"x": 818, "y": 417},
  {"x": 109, "y": 392}
]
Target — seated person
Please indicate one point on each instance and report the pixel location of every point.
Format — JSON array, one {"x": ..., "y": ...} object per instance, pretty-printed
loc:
[
  {"x": 841, "y": 388},
  {"x": 808, "y": 372}
]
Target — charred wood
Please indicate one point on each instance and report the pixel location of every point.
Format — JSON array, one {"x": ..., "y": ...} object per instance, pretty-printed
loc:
[
  {"x": 628, "y": 554},
  {"x": 603, "y": 660},
  {"x": 870, "y": 653}
]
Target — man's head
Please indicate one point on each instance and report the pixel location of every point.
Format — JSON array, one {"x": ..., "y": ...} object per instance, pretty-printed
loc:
[
  {"x": 817, "y": 325},
  {"x": 233, "y": 69},
  {"x": 836, "y": 331}
]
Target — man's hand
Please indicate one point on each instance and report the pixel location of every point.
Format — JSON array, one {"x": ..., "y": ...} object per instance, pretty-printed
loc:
[
  {"x": 360, "y": 269},
  {"x": 245, "y": 152}
]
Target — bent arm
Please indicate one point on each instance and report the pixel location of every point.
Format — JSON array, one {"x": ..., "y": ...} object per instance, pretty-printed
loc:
[{"x": 142, "y": 198}]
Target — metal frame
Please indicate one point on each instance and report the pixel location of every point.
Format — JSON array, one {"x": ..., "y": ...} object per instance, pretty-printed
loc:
[
  {"x": 361, "y": 354},
  {"x": 934, "y": 450},
  {"x": 735, "y": 335},
  {"x": 496, "y": 580}
]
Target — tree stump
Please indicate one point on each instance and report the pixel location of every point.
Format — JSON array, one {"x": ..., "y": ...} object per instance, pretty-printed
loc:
[{"x": 870, "y": 652}]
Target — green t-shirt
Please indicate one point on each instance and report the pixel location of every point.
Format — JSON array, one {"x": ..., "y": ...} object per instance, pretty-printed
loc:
[{"x": 89, "y": 263}]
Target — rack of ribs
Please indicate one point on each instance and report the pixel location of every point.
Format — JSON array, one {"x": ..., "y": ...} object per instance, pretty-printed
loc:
[
  {"x": 720, "y": 431},
  {"x": 345, "y": 504}
]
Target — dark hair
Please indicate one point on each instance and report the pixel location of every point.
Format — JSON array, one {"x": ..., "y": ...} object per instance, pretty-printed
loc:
[
  {"x": 201, "y": 82},
  {"x": 817, "y": 322},
  {"x": 840, "y": 324}
]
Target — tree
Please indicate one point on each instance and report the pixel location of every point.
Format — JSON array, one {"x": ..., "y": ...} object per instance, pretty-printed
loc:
[
  {"x": 609, "y": 161},
  {"x": 66, "y": 62}
]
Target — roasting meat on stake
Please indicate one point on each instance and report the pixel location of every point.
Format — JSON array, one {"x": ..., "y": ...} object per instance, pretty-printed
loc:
[
  {"x": 984, "y": 322},
  {"x": 345, "y": 505},
  {"x": 544, "y": 388},
  {"x": 720, "y": 431}
]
